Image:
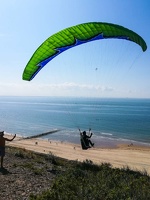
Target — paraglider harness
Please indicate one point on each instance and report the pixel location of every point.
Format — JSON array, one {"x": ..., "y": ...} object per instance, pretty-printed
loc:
[{"x": 85, "y": 140}]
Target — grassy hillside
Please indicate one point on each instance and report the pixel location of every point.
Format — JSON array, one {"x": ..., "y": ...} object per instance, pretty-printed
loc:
[{"x": 48, "y": 177}]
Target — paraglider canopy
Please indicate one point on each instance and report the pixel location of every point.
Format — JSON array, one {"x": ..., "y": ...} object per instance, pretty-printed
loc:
[{"x": 74, "y": 36}]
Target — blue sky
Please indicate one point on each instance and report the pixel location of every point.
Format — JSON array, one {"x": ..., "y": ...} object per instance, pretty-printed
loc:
[{"x": 87, "y": 70}]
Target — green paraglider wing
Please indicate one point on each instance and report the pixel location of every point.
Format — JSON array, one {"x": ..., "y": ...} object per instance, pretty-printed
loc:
[{"x": 73, "y": 36}]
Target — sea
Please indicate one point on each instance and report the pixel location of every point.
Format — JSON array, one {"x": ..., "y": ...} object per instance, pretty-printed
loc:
[{"x": 112, "y": 120}]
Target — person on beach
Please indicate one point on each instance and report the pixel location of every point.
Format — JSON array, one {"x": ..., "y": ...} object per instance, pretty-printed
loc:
[
  {"x": 2, "y": 145},
  {"x": 85, "y": 139}
]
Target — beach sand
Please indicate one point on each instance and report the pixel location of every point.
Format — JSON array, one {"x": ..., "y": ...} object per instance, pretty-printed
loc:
[{"x": 135, "y": 157}]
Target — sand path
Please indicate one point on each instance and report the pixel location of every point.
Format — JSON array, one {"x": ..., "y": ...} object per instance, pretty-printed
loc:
[{"x": 135, "y": 157}]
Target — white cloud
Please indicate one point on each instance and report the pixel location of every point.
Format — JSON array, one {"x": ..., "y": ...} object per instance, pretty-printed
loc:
[
  {"x": 65, "y": 89},
  {"x": 74, "y": 86},
  {"x": 61, "y": 89}
]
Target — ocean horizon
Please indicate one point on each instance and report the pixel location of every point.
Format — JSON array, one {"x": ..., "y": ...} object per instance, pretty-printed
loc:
[{"x": 112, "y": 120}]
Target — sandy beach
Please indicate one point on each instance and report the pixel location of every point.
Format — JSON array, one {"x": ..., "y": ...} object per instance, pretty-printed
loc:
[{"x": 135, "y": 157}]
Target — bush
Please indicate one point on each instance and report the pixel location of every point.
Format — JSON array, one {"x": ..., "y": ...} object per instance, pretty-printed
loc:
[{"x": 86, "y": 181}]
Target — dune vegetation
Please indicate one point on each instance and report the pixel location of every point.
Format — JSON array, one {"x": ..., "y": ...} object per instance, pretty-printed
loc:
[{"x": 45, "y": 177}]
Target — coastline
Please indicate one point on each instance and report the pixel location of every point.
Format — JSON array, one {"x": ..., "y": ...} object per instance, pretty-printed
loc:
[{"x": 123, "y": 155}]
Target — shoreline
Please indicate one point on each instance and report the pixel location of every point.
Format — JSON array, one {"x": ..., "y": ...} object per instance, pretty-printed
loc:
[
  {"x": 135, "y": 157},
  {"x": 100, "y": 142}
]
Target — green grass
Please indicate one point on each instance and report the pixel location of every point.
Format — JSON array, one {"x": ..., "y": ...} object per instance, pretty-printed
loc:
[{"x": 87, "y": 181}]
